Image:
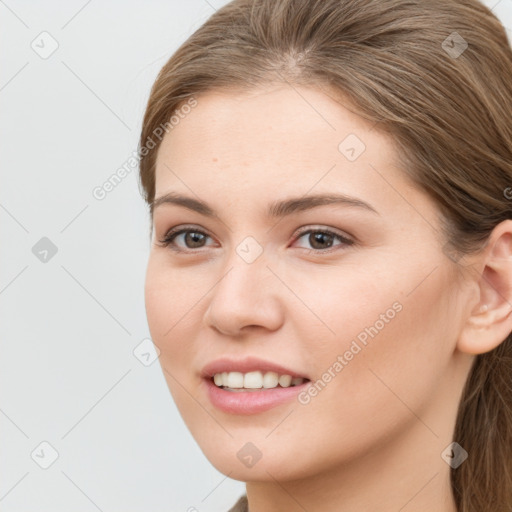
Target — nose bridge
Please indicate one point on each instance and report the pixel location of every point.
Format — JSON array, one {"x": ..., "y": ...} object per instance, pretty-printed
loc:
[
  {"x": 246, "y": 293},
  {"x": 246, "y": 269}
]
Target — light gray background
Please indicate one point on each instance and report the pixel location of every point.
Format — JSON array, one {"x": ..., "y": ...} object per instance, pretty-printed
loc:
[{"x": 70, "y": 325}]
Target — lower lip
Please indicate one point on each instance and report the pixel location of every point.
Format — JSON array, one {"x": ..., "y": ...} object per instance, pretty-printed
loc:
[{"x": 250, "y": 402}]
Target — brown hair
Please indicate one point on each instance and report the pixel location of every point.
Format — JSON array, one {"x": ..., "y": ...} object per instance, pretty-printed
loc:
[{"x": 403, "y": 64}]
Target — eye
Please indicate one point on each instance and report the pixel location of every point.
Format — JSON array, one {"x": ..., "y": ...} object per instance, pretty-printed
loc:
[
  {"x": 193, "y": 238},
  {"x": 321, "y": 239}
]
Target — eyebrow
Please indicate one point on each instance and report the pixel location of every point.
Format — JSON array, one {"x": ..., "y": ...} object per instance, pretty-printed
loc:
[{"x": 276, "y": 209}]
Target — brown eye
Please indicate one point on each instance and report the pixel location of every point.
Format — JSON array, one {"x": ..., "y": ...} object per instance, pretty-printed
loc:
[
  {"x": 323, "y": 239},
  {"x": 191, "y": 239},
  {"x": 320, "y": 240}
]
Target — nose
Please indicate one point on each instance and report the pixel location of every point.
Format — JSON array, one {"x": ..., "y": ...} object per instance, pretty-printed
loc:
[{"x": 247, "y": 296}]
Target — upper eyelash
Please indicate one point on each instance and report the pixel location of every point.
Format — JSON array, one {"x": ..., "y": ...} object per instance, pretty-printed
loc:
[{"x": 171, "y": 235}]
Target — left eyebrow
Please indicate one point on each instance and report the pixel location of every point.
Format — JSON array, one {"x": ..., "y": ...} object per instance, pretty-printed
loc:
[{"x": 277, "y": 209}]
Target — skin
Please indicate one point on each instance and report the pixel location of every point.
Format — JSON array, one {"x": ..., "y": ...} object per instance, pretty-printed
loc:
[{"x": 372, "y": 438}]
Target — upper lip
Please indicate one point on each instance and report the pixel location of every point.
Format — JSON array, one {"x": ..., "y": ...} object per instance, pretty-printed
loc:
[{"x": 249, "y": 364}]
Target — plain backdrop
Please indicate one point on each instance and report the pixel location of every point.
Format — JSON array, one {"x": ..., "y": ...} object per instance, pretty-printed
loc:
[{"x": 87, "y": 421}]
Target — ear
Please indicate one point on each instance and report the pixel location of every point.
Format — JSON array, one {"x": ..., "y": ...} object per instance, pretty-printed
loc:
[{"x": 490, "y": 322}]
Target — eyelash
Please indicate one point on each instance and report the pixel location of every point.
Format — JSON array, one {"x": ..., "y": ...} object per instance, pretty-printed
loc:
[{"x": 168, "y": 240}]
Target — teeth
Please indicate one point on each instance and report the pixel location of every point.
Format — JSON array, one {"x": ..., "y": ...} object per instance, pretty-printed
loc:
[
  {"x": 255, "y": 380},
  {"x": 234, "y": 380}
]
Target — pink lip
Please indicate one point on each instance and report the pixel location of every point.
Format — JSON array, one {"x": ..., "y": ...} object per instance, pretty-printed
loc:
[
  {"x": 249, "y": 364},
  {"x": 250, "y": 402}
]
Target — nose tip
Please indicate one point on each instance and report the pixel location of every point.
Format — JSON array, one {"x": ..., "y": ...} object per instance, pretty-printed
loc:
[{"x": 239, "y": 301}]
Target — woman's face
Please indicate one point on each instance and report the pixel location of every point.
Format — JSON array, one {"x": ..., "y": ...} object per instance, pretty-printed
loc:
[{"x": 371, "y": 318}]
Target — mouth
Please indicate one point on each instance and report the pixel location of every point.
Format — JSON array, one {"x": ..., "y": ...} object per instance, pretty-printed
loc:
[{"x": 251, "y": 385}]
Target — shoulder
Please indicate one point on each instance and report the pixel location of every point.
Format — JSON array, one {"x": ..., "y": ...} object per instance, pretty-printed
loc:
[{"x": 241, "y": 505}]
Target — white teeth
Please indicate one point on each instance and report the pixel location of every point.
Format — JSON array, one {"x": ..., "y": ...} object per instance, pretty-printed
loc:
[
  {"x": 255, "y": 380},
  {"x": 270, "y": 380},
  {"x": 234, "y": 380},
  {"x": 285, "y": 380}
]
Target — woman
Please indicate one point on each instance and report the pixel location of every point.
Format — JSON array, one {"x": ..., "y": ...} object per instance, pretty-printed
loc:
[{"x": 330, "y": 275}]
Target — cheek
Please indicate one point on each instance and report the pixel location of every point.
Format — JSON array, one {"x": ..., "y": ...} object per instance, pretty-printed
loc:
[
  {"x": 174, "y": 311},
  {"x": 391, "y": 348},
  {"x": 159, "y": 301},
  {"x": 167, "y": 303},
  {"x": 169, "y": 298}
]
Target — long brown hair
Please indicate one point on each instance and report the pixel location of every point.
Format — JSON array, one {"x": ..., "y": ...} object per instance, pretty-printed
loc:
[{"x": 434, "y": 74}]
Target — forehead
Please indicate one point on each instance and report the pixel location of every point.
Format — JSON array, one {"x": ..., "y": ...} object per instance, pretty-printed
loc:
[
  {"x": 240, "y": 151},
  {"x": 281, "y": 129}
]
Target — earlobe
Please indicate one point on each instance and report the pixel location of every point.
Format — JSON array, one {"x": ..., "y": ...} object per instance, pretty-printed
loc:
[{"x": 490, "y": 321}]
